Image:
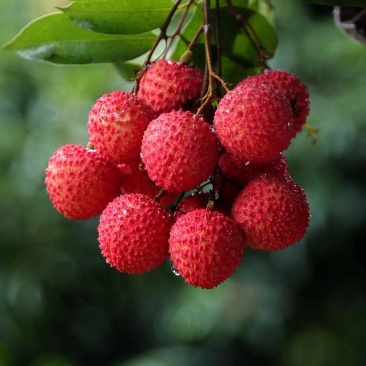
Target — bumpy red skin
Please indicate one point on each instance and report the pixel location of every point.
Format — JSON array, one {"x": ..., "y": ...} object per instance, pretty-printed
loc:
[
  {"x": 206, "y": 247},
  {"x": 254, "y": 122},
  {"x": 273, "y": 213},
  {"x": 167, "y": 85},
  {"x": 243, "y": 172},
  {"x": 292, "y": 88},
  {"x": 116, "y": 125},
  {"x": 195, "y": 202},
  {"x": 80, "y": 183},
  {"x": 179, "y": 151},
  {"x": 133, "y": 233},
  {"x": 136, "y": 180}
]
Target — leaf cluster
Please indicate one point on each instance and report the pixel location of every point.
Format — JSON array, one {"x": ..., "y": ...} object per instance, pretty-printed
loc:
[
  {"x": 117, "y": 31},
  {"x": 120, "y": 31}
]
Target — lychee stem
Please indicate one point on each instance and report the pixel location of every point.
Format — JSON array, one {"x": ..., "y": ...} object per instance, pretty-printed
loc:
[
  {"x": 178, "y": 28},
  {"x": 250, "y": 33},
  {"x": 218, "y": 39},
  {"x": 208, "y": 93},
  {"x": 162, "y": 36},
  {"x": 312, "y": 131},
  {"x": 194, "y": 39},
  {"x": 210, "y": 205},
  {"x": 159, "y": 195}
]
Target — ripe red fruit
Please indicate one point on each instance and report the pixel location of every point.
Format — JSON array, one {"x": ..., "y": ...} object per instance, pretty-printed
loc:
[
  {"x": 195, "y": 202},
  {"x": 133, "y": 233},
  {"x": 167, "y": 85},
  {"x": 272, "y": 212},
  {"x": 206, "y": 247},
  {"x": 80, "y": 183},
  {"x": 136, "y": 180},
  {"x": 243, "y": 172},
  {"x": 292, "y": 88},
  {"x": 254, "y": 122},
  {"x": 191, "y": 203},
  {"x": 179, "y": 151},
  {"x": 116, "y": 124}
]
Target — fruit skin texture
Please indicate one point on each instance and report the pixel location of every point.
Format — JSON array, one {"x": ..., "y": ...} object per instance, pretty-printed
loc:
[
  {"x": 136, "y": 180},
  {"x": 206, "y": 247},
  {"x": 80, "y": 183},
  {"x": 243, "y": 172},
  {"x": 116, "y": 125},
  {"x": 167, "y": 85},
  {"x": 133, "y": 233},
  {"x": 254, "y": 122},
  {"x": 195, "y": 202},
  {"x": 273, "y": 213},
  {"x": 179, "y": 151},
  {"x": 292, "y": 88}
]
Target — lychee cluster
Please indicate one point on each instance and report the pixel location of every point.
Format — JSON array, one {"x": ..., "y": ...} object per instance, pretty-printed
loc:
[{"x": 171, "y": 181}]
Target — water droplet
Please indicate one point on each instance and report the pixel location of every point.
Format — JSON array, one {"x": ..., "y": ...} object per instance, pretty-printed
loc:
[
  {"x": 175, "y": 271},
  {"x": 142, "y": 166}
]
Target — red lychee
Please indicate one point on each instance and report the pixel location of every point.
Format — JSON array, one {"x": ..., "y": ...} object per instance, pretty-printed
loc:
[
  {"x": 254, "y": 122},
  {"x": 195, "y": 202},
  {"x": 80, "y": 183},
  {"x": 206, "y": 247},
  {"x": 292, "y": 88},
  {"x": 273, "y": 213},
  {"x": 179, "y": 151},
  {"x": 133, "y": 233},
  {"x": 116, "y": 124},
  {"x": 136, "y": 180},
  {"x": 227, "y": 194},
  {"x": 243, "y": 172},
  {"x": 167, "y": 85}
]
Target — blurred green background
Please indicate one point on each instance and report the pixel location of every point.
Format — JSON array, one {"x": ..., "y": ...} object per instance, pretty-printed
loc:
[{"x": 61, "y": 305}]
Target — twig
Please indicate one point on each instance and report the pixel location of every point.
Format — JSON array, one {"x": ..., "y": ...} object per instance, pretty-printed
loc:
[
  {"x": 249, "y": 31},
  {"x": 179, "y": 27},
  {"x": 208, "y": 92},
  {"x": 162, "y": 36}
]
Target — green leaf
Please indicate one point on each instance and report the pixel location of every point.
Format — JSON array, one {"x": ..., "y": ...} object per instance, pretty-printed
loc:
[
  {"x": 119, "y": 16},
  {"x": 127, "y": 70},
  {"x": 237, "y": 44},
  {"x": 239, "y": 56},
  {"x": 193, "y": 24},
  {"x": 338, "y": 2},
  {"x": 55, "y": 38}
]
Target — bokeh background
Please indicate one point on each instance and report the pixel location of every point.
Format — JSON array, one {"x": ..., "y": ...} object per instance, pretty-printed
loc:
[{"x": 61, "y": 305}]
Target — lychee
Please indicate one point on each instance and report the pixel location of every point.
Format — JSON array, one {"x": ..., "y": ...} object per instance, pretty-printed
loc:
[
  {"x": 206, "y": 247},
  {"x": 179, "y": 151},
  {"x": 195, "y": 202},
  {"x": 228, "y": 193},
  {"x": 136, "y": 180},
  {"x": 80, "y": 183},
  {"x": 292, "y": 88},
  {"x": 242, "y": 172},
  {"x": 133, "y": 233},
  {"x": 273, "y": 213},
  {"x": 254, "y": 122},
  {"x": 167, "y": 85},
  {"x": 116, "y": 124}
]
